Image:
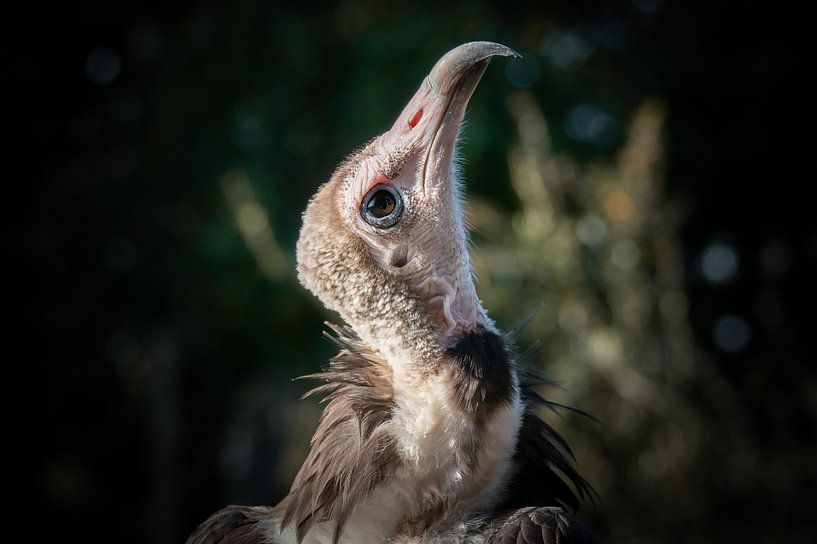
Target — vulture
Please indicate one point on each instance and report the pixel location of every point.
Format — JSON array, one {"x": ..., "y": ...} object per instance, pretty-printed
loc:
[{"x": 430, "y": 432}]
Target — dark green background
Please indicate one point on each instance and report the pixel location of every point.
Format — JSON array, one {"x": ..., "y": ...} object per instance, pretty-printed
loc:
[{"x": 160, "y": 357}]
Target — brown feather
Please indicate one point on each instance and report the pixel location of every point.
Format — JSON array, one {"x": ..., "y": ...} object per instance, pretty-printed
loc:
[
  {"x": 233, "y": 525},
  {"x": 350, "y": 453}
]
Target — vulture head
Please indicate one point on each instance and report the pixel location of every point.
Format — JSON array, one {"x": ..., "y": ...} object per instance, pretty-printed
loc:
[{"x": 384, "y": 241}]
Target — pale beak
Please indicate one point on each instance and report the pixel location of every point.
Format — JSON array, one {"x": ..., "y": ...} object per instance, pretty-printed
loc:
[{"x": 431, "y": 120}]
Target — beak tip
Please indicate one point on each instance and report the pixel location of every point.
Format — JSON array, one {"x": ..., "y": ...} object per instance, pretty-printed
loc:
[
  {"x": 484, "y": 50},
  {"x": 504, "y": 51},
  {"x": 459, "y": 59}
]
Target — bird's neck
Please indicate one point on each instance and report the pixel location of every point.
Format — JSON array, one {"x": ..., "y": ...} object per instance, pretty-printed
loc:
[
  {"x": 455, "y": 427},
  {"x": 415, "y": 346},
  {"x": 419, "y": 444}
]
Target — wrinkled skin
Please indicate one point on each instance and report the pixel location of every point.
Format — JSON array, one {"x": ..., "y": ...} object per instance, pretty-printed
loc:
[{"x": 407, "y": 290}]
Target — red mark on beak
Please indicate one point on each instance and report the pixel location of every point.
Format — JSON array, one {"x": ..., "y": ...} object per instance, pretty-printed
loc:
[{"x": 416, "y": 119}]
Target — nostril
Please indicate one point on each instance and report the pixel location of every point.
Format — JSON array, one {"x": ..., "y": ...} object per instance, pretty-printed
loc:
[
  {"x": 399, "y": 257},
  {"x": 416, "y": 119}
]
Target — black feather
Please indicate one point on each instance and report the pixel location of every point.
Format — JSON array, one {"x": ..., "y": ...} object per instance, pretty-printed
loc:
[
  {"x": 538, "y": 526},
  {"x": 483, "y": 377},
  {"x": 232, "y": 525}
]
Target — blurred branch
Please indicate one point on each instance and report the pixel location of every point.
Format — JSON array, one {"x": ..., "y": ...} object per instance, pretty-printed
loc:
[{"x": 254, "y": 225}]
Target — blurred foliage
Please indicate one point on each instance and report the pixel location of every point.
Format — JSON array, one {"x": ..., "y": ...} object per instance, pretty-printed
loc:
[
  {"x": 598, "y": 249},
  {"x": 630, "y": 180}
]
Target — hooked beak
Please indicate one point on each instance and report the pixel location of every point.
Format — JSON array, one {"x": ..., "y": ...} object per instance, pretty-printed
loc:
[{"x": 431, "y": 120}]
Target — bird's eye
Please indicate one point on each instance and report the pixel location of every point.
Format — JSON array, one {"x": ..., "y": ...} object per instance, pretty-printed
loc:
[{"x": 382, "y": 207}]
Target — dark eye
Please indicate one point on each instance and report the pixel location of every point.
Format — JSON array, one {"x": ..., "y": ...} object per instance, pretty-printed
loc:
[{"x": 382, "y": 207}]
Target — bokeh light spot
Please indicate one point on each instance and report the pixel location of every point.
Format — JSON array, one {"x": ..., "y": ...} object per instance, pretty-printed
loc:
[
  {"x": 252, "y": 218},
  {"x": 566, "y": 50},
  {"x": 673, "y": 306},
  {"x": 102, "y": 66},
  {"x": 249, "y": 121},
  {"x": 572, "y": 316},
  {"x": 588, "y": 123},
  {"x": 625, "y": 254},
  {"x": 646, "y": 6},
  {"x": 591, "y": 230},
  {"x": 605, "y": 345},
  {"x": 619, "y": 206},
  {"x": 731, "y": 333},
  {"x": 719, "y": 263}
]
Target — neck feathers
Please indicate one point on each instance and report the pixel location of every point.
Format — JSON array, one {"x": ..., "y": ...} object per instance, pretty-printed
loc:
[
  {"x": 359, "y": 446},
  {"x": 482, "y": 372},
  {"x": 351, "y": 453}
]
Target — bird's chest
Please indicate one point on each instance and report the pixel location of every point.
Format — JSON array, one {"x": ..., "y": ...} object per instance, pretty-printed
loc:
[{"x": 452, "y": 460}]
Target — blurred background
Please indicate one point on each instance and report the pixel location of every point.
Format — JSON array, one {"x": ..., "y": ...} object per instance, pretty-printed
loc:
[{"x": 642, "y": 179}]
